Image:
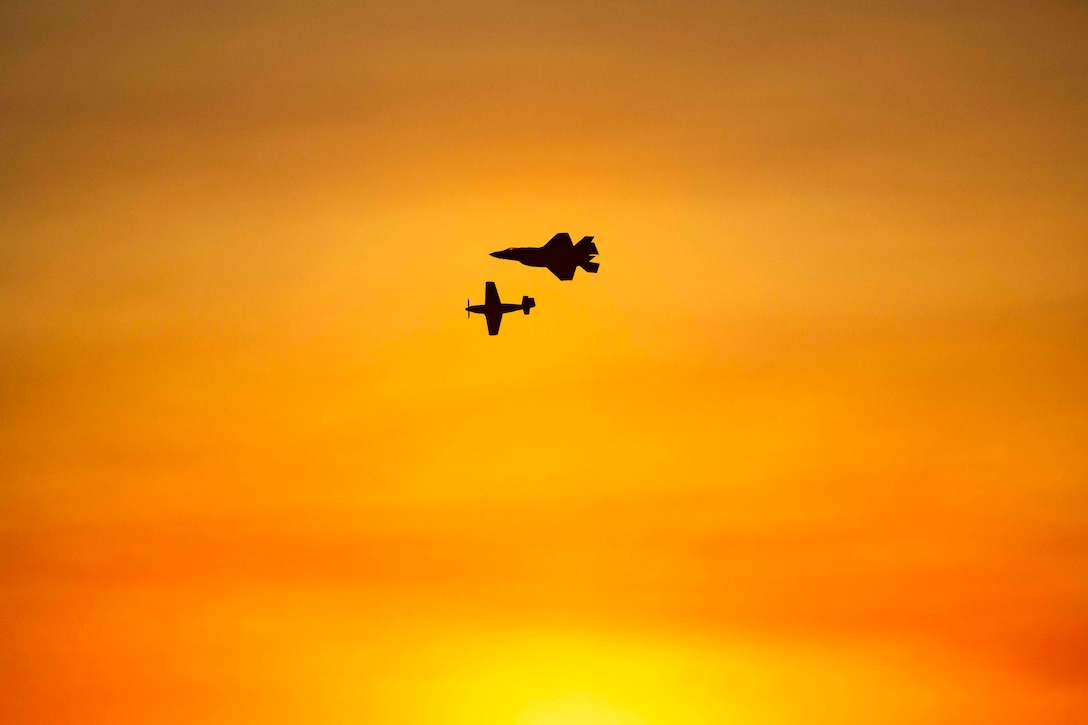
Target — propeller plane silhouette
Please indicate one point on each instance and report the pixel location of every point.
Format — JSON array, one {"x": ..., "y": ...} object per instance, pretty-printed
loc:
[{"x": 493, "y": 308}]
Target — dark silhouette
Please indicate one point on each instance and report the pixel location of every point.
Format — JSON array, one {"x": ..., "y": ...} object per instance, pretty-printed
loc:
[
  {"x": 559, "y": 255},
  {"x": 493, "y": 308}
]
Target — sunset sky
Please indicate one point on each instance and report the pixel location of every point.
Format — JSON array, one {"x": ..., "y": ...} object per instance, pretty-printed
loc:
[{"x": 811, "y": 447}]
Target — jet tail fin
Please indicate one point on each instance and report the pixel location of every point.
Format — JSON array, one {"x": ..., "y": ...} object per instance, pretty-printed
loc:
[
  {"x": 527, "y": 303},
  {"x": 590, "y": 266},
  {"x": 586, "y": 246}
]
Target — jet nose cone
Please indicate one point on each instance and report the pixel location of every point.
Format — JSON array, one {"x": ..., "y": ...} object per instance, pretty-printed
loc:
[{"x": 497, "y": 254}]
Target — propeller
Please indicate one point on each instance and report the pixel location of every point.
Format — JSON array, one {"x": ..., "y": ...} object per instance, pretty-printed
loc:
[{"x": 468, "y": 303}]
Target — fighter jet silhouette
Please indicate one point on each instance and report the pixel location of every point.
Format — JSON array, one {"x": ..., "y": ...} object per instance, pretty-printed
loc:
[
  {"x": 559, "y": 255},
  {"x": 493, "y": 308}
]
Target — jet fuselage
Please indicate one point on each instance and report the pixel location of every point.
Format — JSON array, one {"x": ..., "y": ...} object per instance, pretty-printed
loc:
[{"x": 529, "y": 256}]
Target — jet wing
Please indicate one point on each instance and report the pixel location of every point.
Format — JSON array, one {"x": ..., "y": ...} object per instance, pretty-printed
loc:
[
  {"x": 491, "y": 297},
  {"x": 562, "y": 239},
  {"x": 494, "y": 319},
  {"x": 563, "y": 270}
]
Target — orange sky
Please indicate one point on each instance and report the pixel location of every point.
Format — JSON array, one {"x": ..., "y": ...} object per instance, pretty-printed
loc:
[{"x": 811, "y": 447}]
